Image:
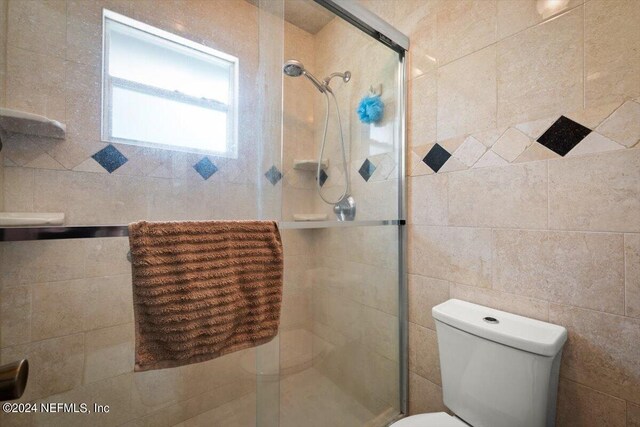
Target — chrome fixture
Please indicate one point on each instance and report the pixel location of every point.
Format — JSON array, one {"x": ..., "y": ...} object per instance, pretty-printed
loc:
[
  {"x": 345, "y": 209},
  {"x": 13, "y": 380},
  {"x": 345, "y": 206}
]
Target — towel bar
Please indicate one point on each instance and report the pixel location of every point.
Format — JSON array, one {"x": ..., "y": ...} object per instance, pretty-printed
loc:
[{"x": 18, "y": 234}]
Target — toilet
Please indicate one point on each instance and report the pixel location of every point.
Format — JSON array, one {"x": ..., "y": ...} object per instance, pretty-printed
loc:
[{"x": 498, "y": 369}]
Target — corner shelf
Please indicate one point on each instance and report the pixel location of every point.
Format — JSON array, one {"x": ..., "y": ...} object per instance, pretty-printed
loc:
[
  {"x": 309, "y": 165},
  {"x": 30, "y": 124}
]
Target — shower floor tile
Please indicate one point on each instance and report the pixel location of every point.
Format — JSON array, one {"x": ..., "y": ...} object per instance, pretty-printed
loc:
[{"x": 310, "y": 399}]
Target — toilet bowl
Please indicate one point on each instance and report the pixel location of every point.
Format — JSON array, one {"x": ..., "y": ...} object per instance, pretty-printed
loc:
[
  {"x": 498, "y": 369},
  {"x": 436, "y": 419}
]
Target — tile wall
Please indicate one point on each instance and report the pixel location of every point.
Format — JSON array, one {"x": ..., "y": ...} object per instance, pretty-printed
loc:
[
  {"x": 525, "y": 183},
  {"x": 56, "y": 73},
  {"x": 66, "y": 305}
]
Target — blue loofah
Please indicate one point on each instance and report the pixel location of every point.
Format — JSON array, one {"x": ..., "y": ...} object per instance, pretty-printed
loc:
[{"x": 370, "y": 109}]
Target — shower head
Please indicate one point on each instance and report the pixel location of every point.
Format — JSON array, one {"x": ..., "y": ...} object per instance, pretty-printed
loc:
[{"x": 294, "y": 68}]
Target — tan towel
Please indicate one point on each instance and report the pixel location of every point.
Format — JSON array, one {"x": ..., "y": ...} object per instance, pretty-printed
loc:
[{"x": 203, "y": 289}]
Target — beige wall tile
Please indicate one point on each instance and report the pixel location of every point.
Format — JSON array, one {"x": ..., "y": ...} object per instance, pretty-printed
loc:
[
  {"x": 594, "y": 143},
  {"x": 612, "y": 42},
  {"x": 115, "y": 392},
  {"x": 490, "y": 136},
  {"x": 470, "y": 151},
  {"x": 22, "y": 149},
  {"x": 452, "y": 165},
  {"x": 510, "y": 196},
  {"x": 511, "y": 144},
  {"x": 106, "y": 257},
  {"x": 32, "y": 262},
  {"x": 83, "y": 101},
  {"x": 632, "y": 274},
  {"x": 154, "y": 389},
  {"x": 581, "y": 269},
  {"x": 84, "y": 28},
  {"x": 109, "y": 352},
  {"x": 467, "y": 94},
  {"x": 296, "y": 306},
  {"x": 35, "y": 83},
  {"x": 80, "y": 305},
  {"x": 422, "y": 110},
  {"x": 424, "y": 396},
  {"x": 428, "y": 199},
  {"x": 534, "y": 129},
  {"x": 490, "y": 159},
  {"x": 601, "y": 352},
  {"x": 15, "y": 315},
  {"x": 423, "y": 55},
  {"x": 38, "y": 26},
  {"x": 464, "y": 27},
  {"x": 540, "y": 70},
  {"x": 592, "y": 116},
  {"x": 623, "y": 126},
  {"x": 633, "y": 415},
  {"x": 517, "y": 15},
  {"x": 517, "y": 304},
  {"x": 424, "y": 294},
  {"x": 581, "y": 196},
  {"x": 424, "y": 358},
  {"x": 582, "y": 406},
  {"x": 536, "y": 151},
  {"x": 18, "y": 189},
  {"x": 380, "y": 333},
  {"x": 55, "y": 365},
  {"x": 457, "y": 254}
]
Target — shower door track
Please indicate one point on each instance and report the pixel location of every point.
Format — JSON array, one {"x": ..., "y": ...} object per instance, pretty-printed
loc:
[{"x": 19, "y": 234}]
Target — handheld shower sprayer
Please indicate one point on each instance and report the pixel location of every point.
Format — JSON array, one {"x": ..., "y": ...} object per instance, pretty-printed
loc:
[
  {"x": 293, "y": 68},
  {"x": 344, "y": 206}
]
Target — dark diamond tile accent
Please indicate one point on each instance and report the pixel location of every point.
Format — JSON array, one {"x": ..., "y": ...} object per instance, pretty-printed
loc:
[
  {"x": 563, "y": 135},
  {"x": 110, "y": 158},
  {"x": 273, "y": 175},
  {"x": 366, "y": 170},
  {"x": 436, "y": 157},
  {"x": 323, "y": 177},
  {"x": 205, "y": 168}
]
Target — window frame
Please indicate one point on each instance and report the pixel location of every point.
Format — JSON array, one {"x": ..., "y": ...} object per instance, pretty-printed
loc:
[{"x": 109, "y": 83}]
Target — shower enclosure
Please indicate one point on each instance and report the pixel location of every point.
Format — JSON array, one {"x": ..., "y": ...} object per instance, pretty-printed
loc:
[{"x": 113, "y": 111}]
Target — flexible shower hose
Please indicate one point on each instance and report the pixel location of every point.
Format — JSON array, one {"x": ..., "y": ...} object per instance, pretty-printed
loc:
[{"x": 344, "y": 152}]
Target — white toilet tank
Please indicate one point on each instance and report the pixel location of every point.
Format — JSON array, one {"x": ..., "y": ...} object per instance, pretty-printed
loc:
[{"x": 498, "y": 369}]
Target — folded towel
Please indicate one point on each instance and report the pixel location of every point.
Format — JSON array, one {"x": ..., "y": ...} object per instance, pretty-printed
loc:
[{"x": 203, "y": 289}]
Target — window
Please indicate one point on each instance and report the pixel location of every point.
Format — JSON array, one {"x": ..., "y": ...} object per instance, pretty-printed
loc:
[{"x": 161, "y": 90}]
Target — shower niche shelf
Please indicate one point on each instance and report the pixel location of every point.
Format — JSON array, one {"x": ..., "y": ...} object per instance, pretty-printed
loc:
[
  {"x": 16, "y": 121},
  {"x": 309, "y": 165}
]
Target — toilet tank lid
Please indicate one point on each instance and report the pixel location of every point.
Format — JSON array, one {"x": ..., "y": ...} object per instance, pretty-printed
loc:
[{"x": 505, "y": 328}]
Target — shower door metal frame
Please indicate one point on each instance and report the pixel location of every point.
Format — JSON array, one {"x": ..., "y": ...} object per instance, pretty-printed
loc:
[{"x": 383, "y": 32}]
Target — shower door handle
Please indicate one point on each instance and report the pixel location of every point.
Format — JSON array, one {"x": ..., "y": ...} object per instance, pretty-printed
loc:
[{"x": 13, "y": 379}]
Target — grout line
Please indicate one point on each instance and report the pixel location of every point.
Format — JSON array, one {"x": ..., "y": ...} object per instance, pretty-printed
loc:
[
  {"x": 499, "y": 228},
  {"x": 493, "y": 257},
  {"x": 584, "y": 56},
  {"x": 591, "y": 388},
  {"x": 624, "y": 273},
  {"x": 548, "y": 196}
]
